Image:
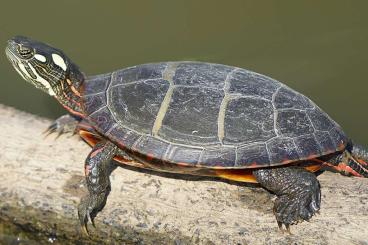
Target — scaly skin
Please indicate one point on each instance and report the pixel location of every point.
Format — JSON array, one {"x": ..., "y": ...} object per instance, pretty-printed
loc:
[
  {"x": 98, "y": 167},
  {"x": 297, "y": 190}
]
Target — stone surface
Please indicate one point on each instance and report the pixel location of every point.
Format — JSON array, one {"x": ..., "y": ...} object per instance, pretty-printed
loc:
[{"x": 41, "y": 182}]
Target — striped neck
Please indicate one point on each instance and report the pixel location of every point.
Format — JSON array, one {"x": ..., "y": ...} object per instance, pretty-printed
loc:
[{"x": 68, "y": 92}]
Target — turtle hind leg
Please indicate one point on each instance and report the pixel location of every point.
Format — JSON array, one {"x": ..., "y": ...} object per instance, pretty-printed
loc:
[
  {"x": 64, "y": 124},
  {"x": 98, "y": 167},
  {"x": 298, "y": 193}
]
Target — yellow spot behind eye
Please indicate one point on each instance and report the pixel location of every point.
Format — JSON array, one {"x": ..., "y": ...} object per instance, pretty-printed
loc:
[
  {"x": 40, "y": 57},
  {"x": 59, "y": 61}
]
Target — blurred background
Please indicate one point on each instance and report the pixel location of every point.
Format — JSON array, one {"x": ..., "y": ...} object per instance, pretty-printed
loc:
[{"x": 318, "y": 48}]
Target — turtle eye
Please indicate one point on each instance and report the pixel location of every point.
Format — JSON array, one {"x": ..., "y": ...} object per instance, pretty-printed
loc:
[{"x": 25, "y": 52}]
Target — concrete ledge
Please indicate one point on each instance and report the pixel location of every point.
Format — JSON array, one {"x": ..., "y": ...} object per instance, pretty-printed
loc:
[{"x": 41, "y": 182}]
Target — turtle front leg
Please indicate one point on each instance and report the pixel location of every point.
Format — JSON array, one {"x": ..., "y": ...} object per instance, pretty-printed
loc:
[
  {"x": 98, "y": 167},
  {"x": 64, "y": 124},
  {"x": 298, "y": 193}
]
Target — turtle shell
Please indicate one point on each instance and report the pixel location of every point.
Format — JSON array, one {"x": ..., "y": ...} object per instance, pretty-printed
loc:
[{"x": 208, "y": 115}]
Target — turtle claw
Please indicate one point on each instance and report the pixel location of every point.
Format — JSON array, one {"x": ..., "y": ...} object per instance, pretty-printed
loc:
[
  {"x": 287, "y": 227},
  {"x": 92, "y": 220},
  {"x": 89, "y": 207},
  {"x": 51, "y": 129},
  {"x": 84, "y": 217},
  {"x": 85, "y": 230},
  {"x": 62, "y": 125},
  {"x": 84, "y": 227}
]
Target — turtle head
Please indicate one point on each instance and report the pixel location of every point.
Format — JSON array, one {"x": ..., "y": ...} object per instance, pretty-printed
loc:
[{"x": 48, "y": 69}]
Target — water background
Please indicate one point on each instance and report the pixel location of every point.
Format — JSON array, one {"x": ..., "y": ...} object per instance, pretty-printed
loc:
[{"x": 319, "y": 48}]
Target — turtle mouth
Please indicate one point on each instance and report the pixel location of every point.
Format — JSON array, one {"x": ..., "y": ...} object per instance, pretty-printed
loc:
[
  {"x": 10, "y": 55},
  {"x": 24, "y": 70},
  {"x": 15, "y": 61},
  {"x": 11, "y": 51}
]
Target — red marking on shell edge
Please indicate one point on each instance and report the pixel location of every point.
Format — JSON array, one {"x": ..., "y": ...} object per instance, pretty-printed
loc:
[
  {"x": 285, "y": 161},
  {"x": 183, "y": 164},
  {"x": 312, "y": 156},
  {"x": 330, "y": 151},
  {"x": 150, "y": 157}
]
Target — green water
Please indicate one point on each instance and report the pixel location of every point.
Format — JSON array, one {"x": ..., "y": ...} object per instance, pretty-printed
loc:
[{"x": 319, "y": 48}]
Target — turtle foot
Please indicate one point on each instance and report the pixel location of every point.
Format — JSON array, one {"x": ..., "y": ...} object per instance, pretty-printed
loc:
[
  {"x": 89, "y": 207},
  {"x": 62, "y": 125},
  {"x": 297, "y": 190},
  {"x": 292, "y": 208}
]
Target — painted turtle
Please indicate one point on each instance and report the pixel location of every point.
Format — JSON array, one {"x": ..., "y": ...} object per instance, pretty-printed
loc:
[{"x": 193, "y": 118}]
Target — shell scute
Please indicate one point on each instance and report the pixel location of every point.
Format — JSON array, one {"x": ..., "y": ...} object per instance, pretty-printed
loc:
[
  {"x": 293, "y": 123},
  {"x": 94, "y": 103},
  {"x": 248, "y": 83},
  {"x": 289, "y": 99},
  {"x": 249, "y": 119}
]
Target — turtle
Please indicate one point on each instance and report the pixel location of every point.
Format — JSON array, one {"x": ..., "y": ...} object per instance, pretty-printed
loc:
[{"x": 194, "y": 118}]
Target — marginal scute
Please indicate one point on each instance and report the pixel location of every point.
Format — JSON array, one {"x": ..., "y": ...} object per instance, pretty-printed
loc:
[
  {"x": 339, "y": 137},
  {"x": 254, "y": 155},
  {"x": 185, "y": 154},
  {"x": 151, "y": 147},
  {"x": 248, "y": 120},
  {"x": 123, "y": 136},
  {"x": 220, "y": 156},
  {"x": 282, "y": 150},
  {"x": 307, "y": 146},
  {"x": 324, "y": 140},
  {"x": 191, "y": 117},
  {"x": 137, "y": 104}
]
